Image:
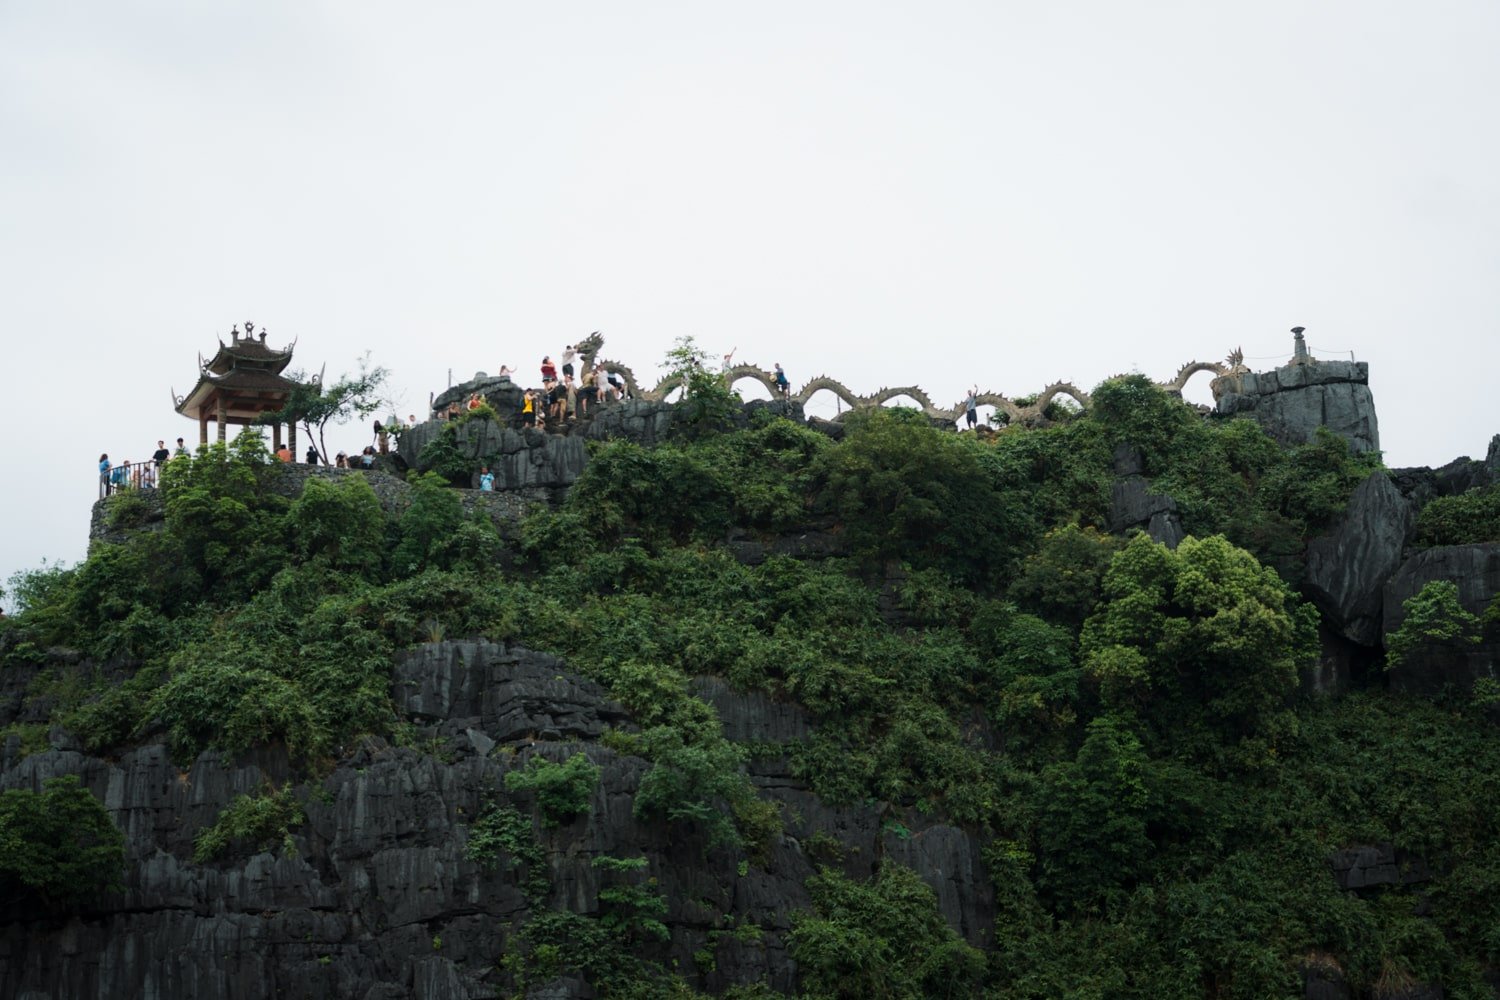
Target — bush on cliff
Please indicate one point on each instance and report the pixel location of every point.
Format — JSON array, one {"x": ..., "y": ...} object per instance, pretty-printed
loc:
[{"x": 58, "y": 847}]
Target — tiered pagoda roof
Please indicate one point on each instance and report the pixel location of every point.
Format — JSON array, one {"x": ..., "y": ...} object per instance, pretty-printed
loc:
[{"x": 245, "y": 375}]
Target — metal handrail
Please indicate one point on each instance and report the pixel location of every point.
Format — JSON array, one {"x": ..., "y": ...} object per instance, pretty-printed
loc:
[{"x": 129, "y": 476}]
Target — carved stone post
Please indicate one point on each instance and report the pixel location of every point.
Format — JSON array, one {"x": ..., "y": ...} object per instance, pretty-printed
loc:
[{"x": 222, "y": 418}]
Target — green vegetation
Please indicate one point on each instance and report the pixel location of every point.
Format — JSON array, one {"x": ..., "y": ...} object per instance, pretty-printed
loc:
[
  {"x": 348, "y": 397},
  {"x": 884, "y": 938},
  {"x": 562, "y": 791},
  {"x": 1434, "y": 619},
  {"x": 1118, "y": 723},
  {"x": 1459, "y": 520},
  {"x": 58, "y": 848},
  {"x": 258, "y": 822}
]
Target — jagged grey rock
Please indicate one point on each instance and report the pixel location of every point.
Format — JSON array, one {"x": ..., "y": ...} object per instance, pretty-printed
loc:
[
  {"x": 1293, "y": 401},
  {"x": 1133, "y": 505},
  {"x": 377, "y": 897},
  {"x": 1348, "y": 566}
]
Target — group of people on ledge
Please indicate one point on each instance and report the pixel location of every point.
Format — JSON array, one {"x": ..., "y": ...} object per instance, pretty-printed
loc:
[
  {"x": 565, "y": 395},
  {"x": 138, "y": 475}
]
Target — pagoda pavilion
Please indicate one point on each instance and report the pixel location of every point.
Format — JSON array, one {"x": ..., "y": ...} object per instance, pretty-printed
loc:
[{"x": 239, "y": 384}]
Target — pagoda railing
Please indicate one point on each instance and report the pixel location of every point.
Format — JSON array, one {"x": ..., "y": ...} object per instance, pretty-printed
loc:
[{"x": 129, "y": 476}]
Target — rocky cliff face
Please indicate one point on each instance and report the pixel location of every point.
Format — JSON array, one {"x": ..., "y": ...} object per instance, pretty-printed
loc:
[
  {"x": 1293, "y": 401},
  {"x": 374, "y": 895}
]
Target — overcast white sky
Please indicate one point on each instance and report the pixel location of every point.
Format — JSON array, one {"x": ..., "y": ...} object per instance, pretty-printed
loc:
[{"x": 939, "y": 193}]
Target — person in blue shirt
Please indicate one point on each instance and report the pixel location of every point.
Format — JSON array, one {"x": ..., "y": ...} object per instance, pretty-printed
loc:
[
  {"x": 104, "y": 473},
  {"x": 486, "y": 479}
]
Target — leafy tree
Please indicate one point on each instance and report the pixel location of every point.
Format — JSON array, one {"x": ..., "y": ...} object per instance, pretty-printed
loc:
[
  {"x": 1061, "y": 579},
  {"x": 880, "y": 939},
  {"x": 1092, "y": 833},
  {"x": 906, "y": 493},
  {"x": 316, "y": 406},
  {"x": 1202, "y": 632},
  {"x": 1434, "y": 618},
  {"x": 562, "y": 790},
  {"x": 224, "y": 521},
  {"x": 1473, "y": 516},
  {"x": 340, "y": 524},
  {"x": 257, "y": 821},
  {"x": 707, "y": 405},
  {"x": 59, "y": 846},
  {"x": 1136, "y": 411}
]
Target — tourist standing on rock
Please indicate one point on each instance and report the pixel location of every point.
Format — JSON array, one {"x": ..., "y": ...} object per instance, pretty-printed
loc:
[
  {"x": 971, "y": 407},
  {"x": 104, "y": 474},
  {"x": 312, "y": 455},
  {"x": 557, "y": 401},
  {"x": 474, "y": 401},
  {"x": 729, "y": 360},
  {"x": 616, "y": 385},
  {"x": 568, "y": 355},
  {"x": 782, "y": 385},
  {"x": 486, "y": 480},
  {"x": 589, "y": 393},
  {"x": 549, "y": 370},
  {"x": 571, "y": 392},
  {"x": 162, "y": 454}
]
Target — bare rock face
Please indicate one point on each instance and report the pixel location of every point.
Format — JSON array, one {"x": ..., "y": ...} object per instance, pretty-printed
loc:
[
  {"x": 374, "y": 895},
  {"x": 1475, "y": 569},
  {"x": 1348, "y": 567},
  {"x": 1293, "y": 401}
]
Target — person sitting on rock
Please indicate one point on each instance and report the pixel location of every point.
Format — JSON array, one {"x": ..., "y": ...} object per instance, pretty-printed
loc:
[{"x": 474, "y": 401}]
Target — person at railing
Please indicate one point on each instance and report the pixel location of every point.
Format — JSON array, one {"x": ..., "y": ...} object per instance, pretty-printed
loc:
[
  {"x": 104, "y": 475},
  {"x": 119, "y": 476},
  {"x": 146, "y": 476},
  {"x": 162, "y": 454}
]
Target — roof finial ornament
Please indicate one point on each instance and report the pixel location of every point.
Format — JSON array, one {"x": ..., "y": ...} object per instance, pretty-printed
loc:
[
  {"x": 234, "y": 334},
  {"x": 249, "y": 329}
]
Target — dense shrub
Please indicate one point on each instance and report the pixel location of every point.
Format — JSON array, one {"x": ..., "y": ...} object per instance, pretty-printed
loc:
[
  {"x": 1469, "y": 517},
  {"x": 60, "y": 846},
  {"x": 562, "y": 790}
]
